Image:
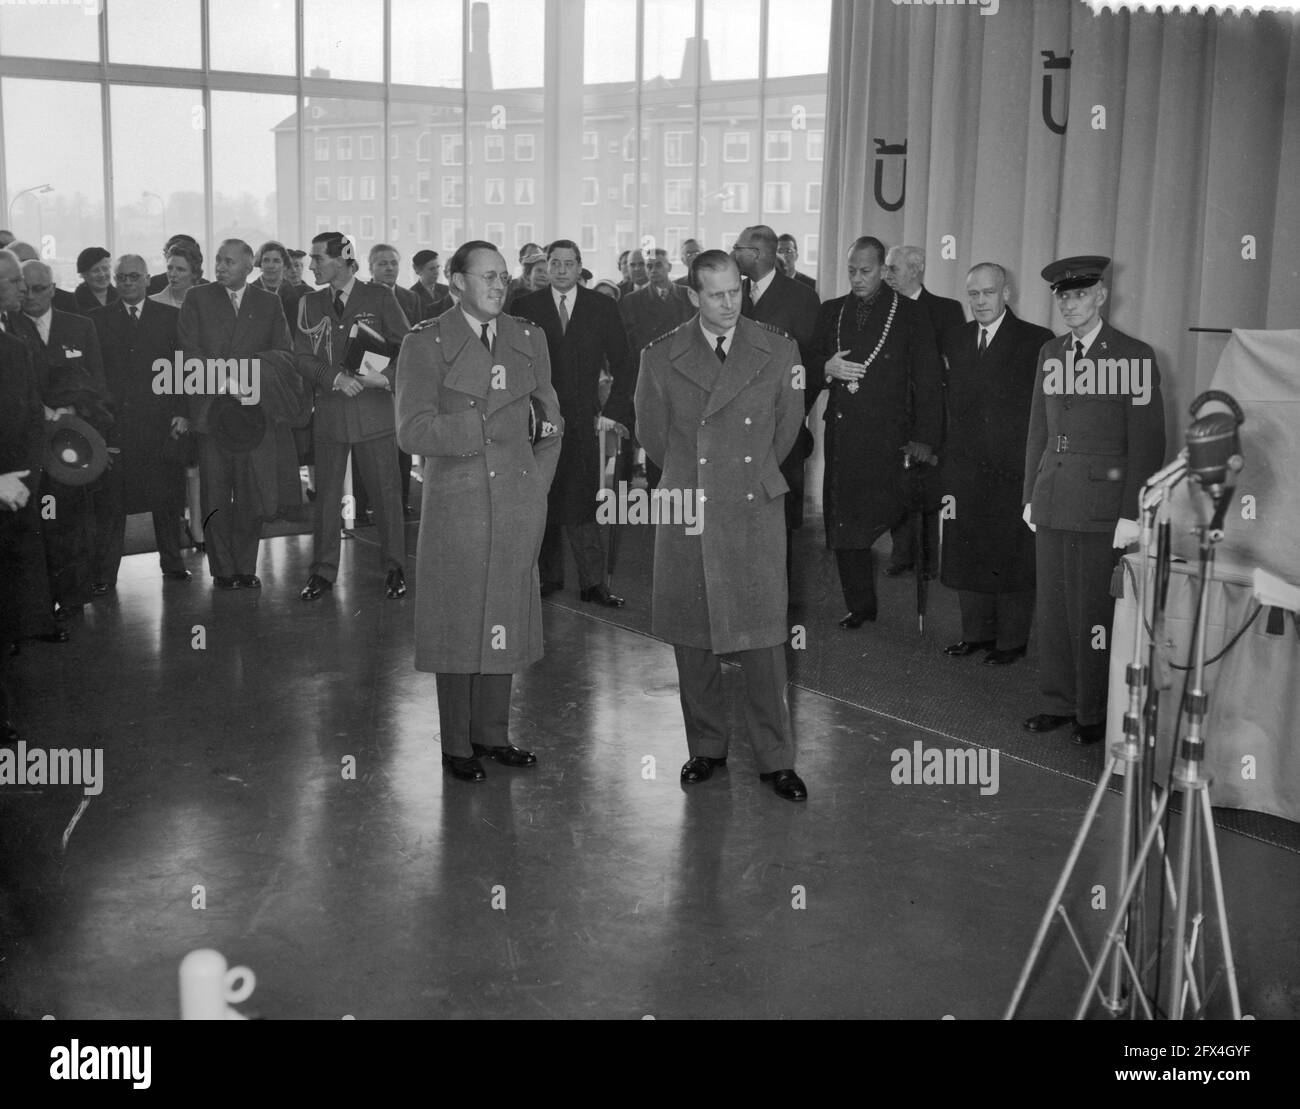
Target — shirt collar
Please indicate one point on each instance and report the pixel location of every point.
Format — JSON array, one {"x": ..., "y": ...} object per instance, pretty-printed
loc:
[
  {"x": 1089, "y": 338},
  {"x": 570, "y": 298},
  {"x": 992, "y": 328},
  {"x": 712, "y": 339},
  {"x": 476, "y": 326},
  {"x": 759, "y": 287},
  {"x": 347, "y": 289},
  {"x": 45, "y": 317},
  {"x": 916, "y": 295}
]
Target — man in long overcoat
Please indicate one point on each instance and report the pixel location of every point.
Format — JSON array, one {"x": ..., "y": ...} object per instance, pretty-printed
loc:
[
  {"x": 719, "y": 404},
  {"x": 875, "y": 347},
  {"x": 467, "y": 383},
  {"x": 988, "y": 553}
]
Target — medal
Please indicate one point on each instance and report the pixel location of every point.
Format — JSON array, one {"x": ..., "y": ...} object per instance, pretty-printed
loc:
[{"x": 853, "y": 386}]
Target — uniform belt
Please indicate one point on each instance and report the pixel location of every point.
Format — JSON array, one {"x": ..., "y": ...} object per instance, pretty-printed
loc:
[{"x": 1065, "y": 444}]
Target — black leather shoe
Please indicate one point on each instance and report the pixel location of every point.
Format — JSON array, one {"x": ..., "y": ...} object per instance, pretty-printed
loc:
[
  {"x": 1003, "y": 658},
  {"x": 506, "y": 756},
  {"x": 701, "y": 768},
  {"x": 101, "y": 589},
  {"x": 599, "y": 595},
  {"x": 177, "y": 575},
  {"x": 395, "y": 586},
  {"x": 467, "y": 770},
  {"x": 549, "y": 587},
  {"x": 59, "y": 636},
  {"x": 898, "y": 571},
  {"x": 223, "y": 581},
  {"x": 316, "y": 585},
  {"x": 1089, "y": 733},
  {"x": 9, "y": 736},
  {"x": 248, "y": 581},
  {"x": 787, "y": 784},
  {"x": 851, "y": 620},
  {"x": 1046, "y": 722},
  {"x": 963, "y": 648}
]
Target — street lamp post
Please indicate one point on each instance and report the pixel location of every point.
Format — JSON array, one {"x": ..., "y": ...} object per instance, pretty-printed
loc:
[
  {"x": 35, "y": 189},
  {"x": 162, "y": 209}
]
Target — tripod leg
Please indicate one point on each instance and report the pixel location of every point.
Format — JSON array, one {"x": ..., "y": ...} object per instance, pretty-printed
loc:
[{"x": 1220, "y": 905}]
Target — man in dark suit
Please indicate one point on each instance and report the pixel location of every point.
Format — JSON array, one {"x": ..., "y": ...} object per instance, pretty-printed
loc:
[
  {"x": 719, "y": 404},
  {"x": 988, "y": 555},
  {"x": 904, "y": 272},
  {"x": 433, "y": 297},
  {"x": 656, "y": 308},
  {"x": 64, "y": 299},
  {"x": 230, "y": 319},
  {"x": 1096, "y": 433},
  {"x": 773, "y": 298},
  {"x": 880, "y": 359},
  {"x": 583, "y": 334},
  {"x": 354, "y": 411},
  {"x": 635, "y": 276},
  {"x": 787, "y": 251},
  {"x": 385, "y": 264},
  {"x": 690, "y": 249},
  {"x": 133, "y": 332},
  {"x": 70, "y": 376}
]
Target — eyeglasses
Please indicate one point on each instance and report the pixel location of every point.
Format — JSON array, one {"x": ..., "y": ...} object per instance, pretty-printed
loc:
[
  {"x": 128, "y": 277},
  {"x": 744, "y": 250},
  {"x": 38, "y": 289},
  {"x": 489, "y": 278}
]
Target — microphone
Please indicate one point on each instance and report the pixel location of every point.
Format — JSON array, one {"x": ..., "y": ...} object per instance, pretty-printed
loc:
[{"x": 1214, "y": 452}]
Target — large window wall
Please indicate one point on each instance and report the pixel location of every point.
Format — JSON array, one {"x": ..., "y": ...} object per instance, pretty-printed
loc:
[{"x": 617, "y": 123}]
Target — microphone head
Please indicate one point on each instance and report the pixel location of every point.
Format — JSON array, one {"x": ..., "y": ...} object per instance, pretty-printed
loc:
[{"x": 1213, "y": 449}]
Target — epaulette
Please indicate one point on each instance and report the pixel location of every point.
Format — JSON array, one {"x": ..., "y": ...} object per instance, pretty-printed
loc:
[
  {"x": 425, "y": 323},
  {"x": 525, "y": 319},
  {"x": 661, "y": 338},
  {"x": 772, "y": 327}
]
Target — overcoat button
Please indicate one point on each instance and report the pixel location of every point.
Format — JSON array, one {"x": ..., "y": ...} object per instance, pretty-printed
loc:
[
  {"x": 472, "y": 403},
  {"x": 703, "y": 461},
  {"x": 492, "y": 473},
  {"x": 749, "y": 496},
  {"x": 748, "y": 420},
  {"x": 748, "y": 458}
]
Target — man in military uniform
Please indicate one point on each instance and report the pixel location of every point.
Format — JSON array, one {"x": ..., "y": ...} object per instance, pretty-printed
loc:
[
  {"x": 1095, "y": 436},
  {"x": 719, "y": 403},
  {"x": 469, "y": 386}
]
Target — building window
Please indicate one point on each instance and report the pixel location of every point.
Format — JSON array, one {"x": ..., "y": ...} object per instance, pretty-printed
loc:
[
  {"x": 424, "y": 223},
  {"x": 523, "y": 234},
  {"x": 494, "y": 148},
  {"x": 729, "y": 240},
  {"x": 394, "y": 144},
  {"x": 776, "y": 196},
  {"x": 345, "y": 225},
  {"x": 735, "y": 146},
  {"x": 813, "y": 196},
  {"x": 629, "y": 189},
  {"x": 345, "y": 148},
  {"x": 677, "y": 196},
  {"x": 322, "y": 188},
  {"x": 323, "y": 223},
  {"x": 453, "y": 231},
  {"x": 494, "y": 191},
  {"x": 453, "y": 192},
  {"x": 677, "y": 148},
  {"x": 422, "y": 187},
  {"x": 367, "y": 148},
  {"x": 779, "y": 146},
  {"x": 590, "y": 145},
  {"x": 525, "y": 146},
  {"x": 394, "y": 228},
  {"x": 394, "y": 188},
  {"x": 525, "y": 192},
  {"x": 816, "y": 145},
  {"x": 673, "y": 239},
  {"x": 736, "y": 197},
  {"x": 322, "y": 150},
  {"x": 629, "y": 147},
  {"x": 453, "y": 150},
  {"x": 424, "y": 147},
  {"x": 590, "y": 238},
  {"x": 367, "y": 188},
  {"x": 495, "y": 233},
  {"x": 810, "y": 245},
  {"x": 367, "y": 227},
  {"x": 590, "y": 190},
  {"x": 345, "y": 188},
  {"x": 623, "y": 236}
]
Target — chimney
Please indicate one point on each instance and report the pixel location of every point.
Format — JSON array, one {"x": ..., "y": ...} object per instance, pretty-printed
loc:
[
  {"x": 478, "y": 75},
  {"x": 693, "y": 45}
]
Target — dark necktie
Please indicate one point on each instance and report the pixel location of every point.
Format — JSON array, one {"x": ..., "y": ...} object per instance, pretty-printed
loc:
[
  {"x": 864, "y": 309},
  {"x": 1078, "y": 349},
  {"x": 564, "y": 314},
  {"x": 748, "y": 290},
  {"x": 722, "y": 354},
  {"x": 135, "y": 313},
  {"x": 486, "y": 341},
  {"x": 234, "y": 302},
  {"x": 338, "y": 303},
  {"x": 984, "y": 341}
]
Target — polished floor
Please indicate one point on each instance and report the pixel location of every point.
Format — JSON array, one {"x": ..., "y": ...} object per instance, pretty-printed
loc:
[{"x": 592, "y": 886}]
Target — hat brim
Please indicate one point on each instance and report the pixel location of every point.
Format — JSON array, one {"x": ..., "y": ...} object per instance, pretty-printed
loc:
[
  {"x": 74, "y": 452},
  {"x": 1074, "y": 283}
]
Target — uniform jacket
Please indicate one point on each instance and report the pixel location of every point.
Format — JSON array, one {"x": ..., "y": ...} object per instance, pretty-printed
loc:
[
  {"x": 595, "y": 338},
  {"x": 900, "y": 399},
  {"x": 483, "y": 512},
  {"x": 646, "y": 315},
  {"x": 427, "y": 306},
  {"x": 804, "y": 279},
  {"x": 207, "y": 328},
  {"x": 1087, "y": 457},
  {"x": 321, "y": 341},
  {"x": 141, "y": 418},
  {"x": 986, "y": 546},
  {"x": 721, "y": 439},
  {"x": 69, "y": 368}
]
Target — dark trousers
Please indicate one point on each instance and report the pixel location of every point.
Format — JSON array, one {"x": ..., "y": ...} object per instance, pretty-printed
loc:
[
  {"x": 374, "y": 460},
  {"x": 110, "y": 530},
  {"x": 767, "y": 712},
  {"x": 473, "y": 708},
  {"x": 404, "y": 476},
  {"x": 1000, "y": 618},
  {"x": 1073, "y": 599},
  {"x": 588, "y": 553},
  {"x": 35, "y": 604},
  {"x": 858, "y": 579},
  {"x": 232, "y": 525},
  {"x": 905, "y": 551},
  {"x": 69, "y": 541}
]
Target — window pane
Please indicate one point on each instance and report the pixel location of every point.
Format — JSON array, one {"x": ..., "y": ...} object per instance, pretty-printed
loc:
[
  {"x": 668, "y": 191},
  {"x": 252, "y": 36},
  {"x": 512, "y": 33},
  {"x": 253, "y": 168},
  {"x": 731, "y": 34},
  {"x": 340, "y": 191},
  {"x": 50, "y": 31},
  {"x": 428, "y": 141},
  {"x": 609, "y": 42},
  {"x": 141, "y": 32},
  {"x": 509, "y": 191},
  {"x": 792, "y": 188},
  {"x": 608, "y": 128},
  {"x": 798, "y": 37},
  {"x": 729, "y": 180},
  {"x": 669, "y": 30},
  {"x": 427, "y": 43},
  {"x": 344, "y": 39},
  {"x": 155, "y": 197},
  {"x": 61, "y": 222}
]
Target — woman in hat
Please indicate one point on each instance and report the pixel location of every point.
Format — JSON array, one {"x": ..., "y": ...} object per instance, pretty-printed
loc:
[{"x": 95, "y": 266}]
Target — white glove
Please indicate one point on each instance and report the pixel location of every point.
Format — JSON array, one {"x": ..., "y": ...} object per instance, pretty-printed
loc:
[
  {"x": 1028, "y": 522},
  {"x": 1127, "y": 532}
]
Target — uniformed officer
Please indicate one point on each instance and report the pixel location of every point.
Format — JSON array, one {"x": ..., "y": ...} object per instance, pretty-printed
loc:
[
  {"x": 1096, "y": 433},
  {"x": 466, "y": 385},
  {"x": 719, "y": 404}
]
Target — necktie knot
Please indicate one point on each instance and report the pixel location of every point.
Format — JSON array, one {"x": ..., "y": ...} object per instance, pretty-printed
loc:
[
  {"x": 338, "y": 303},
  {"x": 135, "y": 312},
  {"x": 984, "y": 339},
  {"x": 1078, "y": 348},
  {"x": 487, "y": 342},
  {"x": 719, "y": 351}
]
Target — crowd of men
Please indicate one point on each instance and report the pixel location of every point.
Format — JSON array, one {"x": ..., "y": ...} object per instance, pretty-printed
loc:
[{"x": 506, "y": 387}]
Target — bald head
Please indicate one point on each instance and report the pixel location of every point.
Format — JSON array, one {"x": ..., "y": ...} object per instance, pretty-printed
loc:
[
  {"x": 131, "y": 276},
  {"x": 24, "y": 252},
  {"x": 39, "y": 279}
]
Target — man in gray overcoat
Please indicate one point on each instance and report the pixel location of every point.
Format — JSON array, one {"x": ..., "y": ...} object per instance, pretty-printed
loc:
[
  {"x": 719, "y": 403},
  {"x": 471, "y": 387}
]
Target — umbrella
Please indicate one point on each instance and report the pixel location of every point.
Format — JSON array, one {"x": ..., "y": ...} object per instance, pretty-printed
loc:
[{"x": 919, "y": 476}]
